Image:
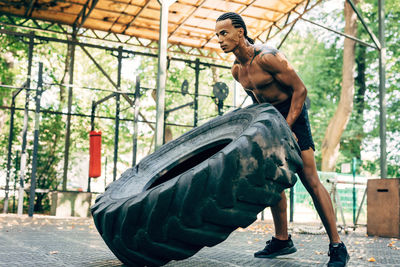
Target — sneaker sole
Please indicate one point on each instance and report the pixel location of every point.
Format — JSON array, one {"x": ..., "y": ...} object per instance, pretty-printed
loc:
[
  {"x": 285, "y": 251},
  {"x": 345, "y": 264}
]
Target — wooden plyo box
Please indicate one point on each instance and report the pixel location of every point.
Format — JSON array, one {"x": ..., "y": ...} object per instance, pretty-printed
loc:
[{"x": 383, "y": 207}]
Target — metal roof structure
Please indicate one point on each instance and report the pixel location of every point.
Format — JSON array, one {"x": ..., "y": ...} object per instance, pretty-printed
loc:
[{"x": 191, "y": 23}]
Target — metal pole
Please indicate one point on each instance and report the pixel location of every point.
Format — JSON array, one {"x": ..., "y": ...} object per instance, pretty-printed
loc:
[
  {"x": 16, "y": 168},
  {"x": 68, "y": 124},
  {"x": 25, "y": 127},
  {"x": 135, "y": 120},
  {"x": 35, "y": 141},
  {"x": 361, "y": 204},
  {"x": 291, "y": 199},
  {"x": 10, "y": 140},
  {"x": 342, "y": 34},
  {"x": 353, "y": 166},
  {"x": 116, "y": 136},
  {"x": 162, "y": 72},
  {"x": 92, "y": 115},
  {"x": 117, "y": 111},
  {"x": 382, "y": 89},
  {"x": 196, "y": 92}
]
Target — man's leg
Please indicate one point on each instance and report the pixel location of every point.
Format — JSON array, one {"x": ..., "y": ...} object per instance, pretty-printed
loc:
[
  {"x": 322, "y": 201},
  {"x": 279, "y": 215},
  {"x": 282, "y": 243}
]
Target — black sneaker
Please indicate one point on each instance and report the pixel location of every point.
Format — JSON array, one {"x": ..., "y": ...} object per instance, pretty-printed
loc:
[
  {"x": 338, "y": 254},
  {"x": 276, "y": 247}
]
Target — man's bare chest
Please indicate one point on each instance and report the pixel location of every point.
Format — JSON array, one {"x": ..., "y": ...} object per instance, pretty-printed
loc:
[{"x": 254, "y": 78}]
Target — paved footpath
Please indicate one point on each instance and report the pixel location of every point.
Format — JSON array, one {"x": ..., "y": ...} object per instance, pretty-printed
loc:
[{"x": 51, "y": 241}]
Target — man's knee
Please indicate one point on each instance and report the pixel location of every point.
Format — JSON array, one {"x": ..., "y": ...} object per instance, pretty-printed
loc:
[{"x": 311, "y": 181}]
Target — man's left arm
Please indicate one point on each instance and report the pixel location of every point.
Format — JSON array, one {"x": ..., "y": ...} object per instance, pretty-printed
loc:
[{"x": 283, "y": 72}]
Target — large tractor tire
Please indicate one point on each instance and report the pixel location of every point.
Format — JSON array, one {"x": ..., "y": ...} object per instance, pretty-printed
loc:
[{"x": 196, "y": 190}]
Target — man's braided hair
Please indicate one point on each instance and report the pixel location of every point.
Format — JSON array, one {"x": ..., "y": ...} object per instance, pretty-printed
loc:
[{"x": 237, "y": 22}]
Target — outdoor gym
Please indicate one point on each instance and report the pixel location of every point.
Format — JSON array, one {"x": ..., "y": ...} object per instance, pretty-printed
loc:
[{"x": 187, "y": 133}]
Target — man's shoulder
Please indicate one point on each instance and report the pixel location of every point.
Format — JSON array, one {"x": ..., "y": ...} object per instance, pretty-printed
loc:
[
  {"x": 269, "y": 58},
  {"x": 267, "y": 50}
]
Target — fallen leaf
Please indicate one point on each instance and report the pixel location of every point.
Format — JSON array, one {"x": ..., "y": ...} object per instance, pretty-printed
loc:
[{"x": 372, "y": 259}]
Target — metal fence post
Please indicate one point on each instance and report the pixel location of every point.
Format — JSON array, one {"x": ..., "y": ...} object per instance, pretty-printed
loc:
[{"x": 35, "y": 141}]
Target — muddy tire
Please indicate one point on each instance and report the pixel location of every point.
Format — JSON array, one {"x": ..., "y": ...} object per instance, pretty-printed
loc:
[{"x": 194, "y": 191}]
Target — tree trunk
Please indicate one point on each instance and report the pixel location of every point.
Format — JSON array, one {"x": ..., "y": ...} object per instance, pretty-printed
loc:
[
  {"x": 360, "y": 82},
  {"x": 359, "y": 102},
  {"x": 338, "y": 123}
]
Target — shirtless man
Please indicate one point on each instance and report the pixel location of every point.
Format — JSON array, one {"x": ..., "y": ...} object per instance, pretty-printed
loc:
[{"x": 267, "y": 76}]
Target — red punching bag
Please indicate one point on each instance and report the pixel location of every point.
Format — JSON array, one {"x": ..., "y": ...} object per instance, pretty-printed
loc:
[{"x": 95, "y": 154}]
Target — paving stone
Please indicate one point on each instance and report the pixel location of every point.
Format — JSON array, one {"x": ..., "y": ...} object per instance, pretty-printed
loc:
[{"x": 51, "y": 241}]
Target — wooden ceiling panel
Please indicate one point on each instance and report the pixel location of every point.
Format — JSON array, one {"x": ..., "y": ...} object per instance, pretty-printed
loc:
[
  {"x": 261, "y": 14},
  {"x": 197, "y": 22},
  {"x": 275, "y": 4},
  {"x": 191, "y": 22},
  {"x": 181, "y": 8},
  {"x": 125, "y": 19},
  {"x": 228, "y": 6}
]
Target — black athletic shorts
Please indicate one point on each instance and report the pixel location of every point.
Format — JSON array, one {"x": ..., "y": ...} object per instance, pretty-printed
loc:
[{"x": 301, "y": 127}]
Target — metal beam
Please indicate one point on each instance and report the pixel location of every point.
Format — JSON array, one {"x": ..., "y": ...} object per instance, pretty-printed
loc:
[
  {"x": 132, "y": 40},
  {"x": 98, "y": 65},
  {"x": 52, "y": 39},
  {"x": 35, "y": 141},
  {"x": 135, "y": 120},
  {"x": 149, "y": 123},
  {"x": 288, "y": 24},
  {"x": 340, "y": 33},
  {"x": 83, "y": 15},
  {"x": 286, "y": 35},
  {"x": 371, "y": 34},
  {"x": 29, "y": 9}
]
